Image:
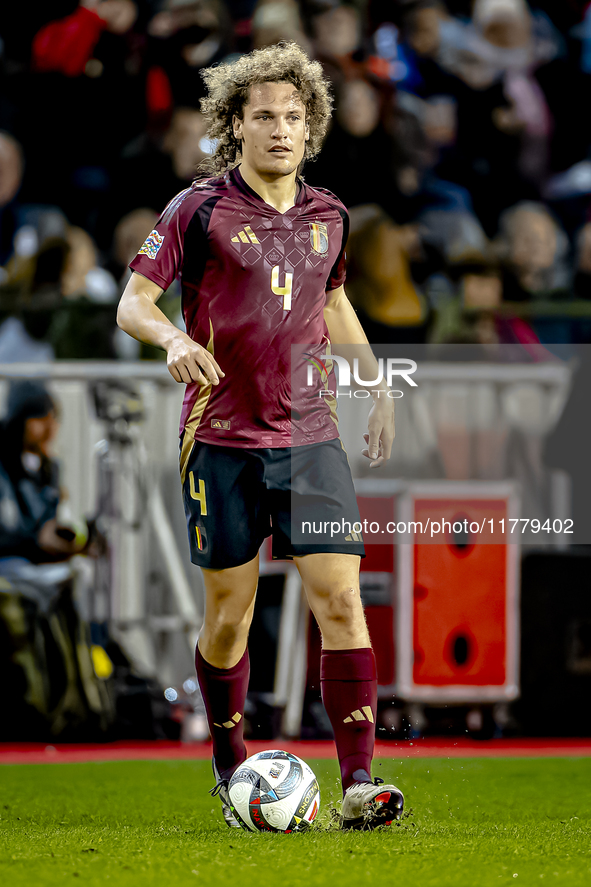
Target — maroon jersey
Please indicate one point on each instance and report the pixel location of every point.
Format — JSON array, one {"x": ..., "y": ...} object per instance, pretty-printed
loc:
[{"x": 254, "y": 284}]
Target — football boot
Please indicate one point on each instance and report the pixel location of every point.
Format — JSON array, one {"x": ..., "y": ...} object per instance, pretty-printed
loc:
[
  {"x": 221, "y": 789},
  {"x": 367, "y": 805}
]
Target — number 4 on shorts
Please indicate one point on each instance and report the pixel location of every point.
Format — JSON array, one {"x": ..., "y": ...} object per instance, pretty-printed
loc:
[{"x": 200, "y": 496}]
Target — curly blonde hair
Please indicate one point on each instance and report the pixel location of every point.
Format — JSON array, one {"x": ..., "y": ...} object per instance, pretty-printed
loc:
[{"x": 229, "y": 84}]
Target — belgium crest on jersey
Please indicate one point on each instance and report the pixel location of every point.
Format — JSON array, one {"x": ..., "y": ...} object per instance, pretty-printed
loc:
[{"x": 319, "y": 238}]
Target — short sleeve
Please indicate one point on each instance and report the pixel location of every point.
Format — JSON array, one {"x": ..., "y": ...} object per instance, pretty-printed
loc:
[
  {"x": 160, "y": 257},
  {"x": 338, "y": 274}
]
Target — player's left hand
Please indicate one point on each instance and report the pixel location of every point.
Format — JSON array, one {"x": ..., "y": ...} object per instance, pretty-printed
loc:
[{"x": 380, "y": 436}]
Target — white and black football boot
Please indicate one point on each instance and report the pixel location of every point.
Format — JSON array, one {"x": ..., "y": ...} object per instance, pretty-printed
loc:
[
  {"x": 221, "y": 789},
  {"x": 367, "y": 805}
]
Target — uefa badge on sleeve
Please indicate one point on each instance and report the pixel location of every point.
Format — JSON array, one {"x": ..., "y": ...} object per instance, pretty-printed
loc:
[{"x": 151, "y": 245}]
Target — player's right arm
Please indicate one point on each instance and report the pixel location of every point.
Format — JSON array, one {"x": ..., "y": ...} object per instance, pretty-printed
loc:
[{"x": 139, "y": 316}]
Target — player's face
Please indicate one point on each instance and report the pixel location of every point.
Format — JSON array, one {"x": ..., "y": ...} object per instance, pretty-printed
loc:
[{"x": 273, "y": 130}]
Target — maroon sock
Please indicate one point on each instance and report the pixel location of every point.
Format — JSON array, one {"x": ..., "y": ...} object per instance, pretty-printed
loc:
[
  {"x": 224, "y": 695},
  {"x": 348, "y": 680}
]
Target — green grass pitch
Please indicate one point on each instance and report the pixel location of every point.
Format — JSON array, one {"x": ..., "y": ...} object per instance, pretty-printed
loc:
[{"x": 472, "y": 823}]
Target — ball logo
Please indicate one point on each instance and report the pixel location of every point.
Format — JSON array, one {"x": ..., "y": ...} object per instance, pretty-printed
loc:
[{"x": 313, "y": 790}]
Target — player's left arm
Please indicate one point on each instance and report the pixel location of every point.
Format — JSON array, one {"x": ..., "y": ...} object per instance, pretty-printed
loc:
[{"x": 344, "y": 329}]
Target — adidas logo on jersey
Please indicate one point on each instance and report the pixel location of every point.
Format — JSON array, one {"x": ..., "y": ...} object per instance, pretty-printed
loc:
[
  {"x": 354, "y": 537},
  {"x": 365, "y": 714},
  {"x": 246, "y": 236}
]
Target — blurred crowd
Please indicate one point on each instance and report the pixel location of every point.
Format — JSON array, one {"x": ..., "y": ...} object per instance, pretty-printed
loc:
[{"x": 461, "y": 144}]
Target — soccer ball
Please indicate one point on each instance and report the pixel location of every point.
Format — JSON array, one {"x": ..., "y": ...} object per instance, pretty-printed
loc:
[{"x": 274, "y": 791}]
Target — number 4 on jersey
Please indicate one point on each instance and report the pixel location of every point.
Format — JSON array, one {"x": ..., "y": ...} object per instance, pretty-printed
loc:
[{"x": 284, "y": 290}]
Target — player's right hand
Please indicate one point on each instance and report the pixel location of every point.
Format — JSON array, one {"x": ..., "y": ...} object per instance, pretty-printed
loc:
[{"x": 189, "y": 362}]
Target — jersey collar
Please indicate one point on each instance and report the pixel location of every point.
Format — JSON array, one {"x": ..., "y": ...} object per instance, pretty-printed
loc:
[{"x": 236, "y": 177}]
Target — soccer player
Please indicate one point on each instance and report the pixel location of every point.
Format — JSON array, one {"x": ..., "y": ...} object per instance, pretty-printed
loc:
[{"x": 260, "y": 256}]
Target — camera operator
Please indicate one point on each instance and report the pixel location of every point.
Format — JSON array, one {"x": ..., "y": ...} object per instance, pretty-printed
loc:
[
  {"x": 29, "y": 493},
  {"x": 51, "y": 687}
]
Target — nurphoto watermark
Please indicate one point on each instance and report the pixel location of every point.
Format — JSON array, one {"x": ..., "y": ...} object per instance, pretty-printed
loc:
[{"x": 500, "y": 432}]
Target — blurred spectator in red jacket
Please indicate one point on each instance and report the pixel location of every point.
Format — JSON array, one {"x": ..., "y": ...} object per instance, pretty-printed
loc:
[{"x": 67, "y": 45}]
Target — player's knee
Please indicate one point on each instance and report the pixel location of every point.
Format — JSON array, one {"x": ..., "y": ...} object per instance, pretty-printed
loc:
[
  {"x": 342, "y": 606},
  {"x": 222, "y": 637},
  {"x": 228, "y": 623}
]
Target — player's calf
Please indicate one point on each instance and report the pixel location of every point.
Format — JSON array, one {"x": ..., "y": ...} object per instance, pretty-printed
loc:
[{"x": 224, "y": 694}]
